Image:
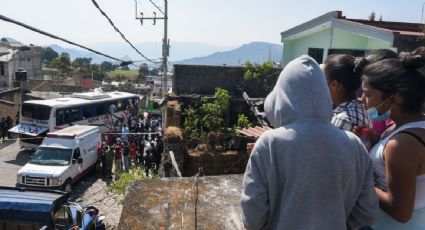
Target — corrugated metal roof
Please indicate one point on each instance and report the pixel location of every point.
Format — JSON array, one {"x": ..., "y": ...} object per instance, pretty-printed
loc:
[{"x": 253, "y": 131}]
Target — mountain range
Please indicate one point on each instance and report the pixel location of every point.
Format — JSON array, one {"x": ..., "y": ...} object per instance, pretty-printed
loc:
[
  {"x": 180, "y": 52},
  {"x": 255, "y": 52}
]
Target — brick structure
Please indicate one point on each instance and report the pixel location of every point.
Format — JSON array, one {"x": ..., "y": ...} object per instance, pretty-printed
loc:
[{"x": 9, "y": 103}]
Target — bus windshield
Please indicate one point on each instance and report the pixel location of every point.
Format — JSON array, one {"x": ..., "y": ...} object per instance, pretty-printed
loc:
[
  {"x": 37, "y": 112},
  {"x": 51, "y": 156}
]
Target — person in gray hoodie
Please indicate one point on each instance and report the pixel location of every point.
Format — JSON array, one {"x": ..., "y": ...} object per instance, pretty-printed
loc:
[{"x": 306, "y": 173}]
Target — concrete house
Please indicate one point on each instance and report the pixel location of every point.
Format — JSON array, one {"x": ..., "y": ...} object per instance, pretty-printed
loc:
[
  {"x": 15, "y": 56},
  {"x": 334, "y": 33}
]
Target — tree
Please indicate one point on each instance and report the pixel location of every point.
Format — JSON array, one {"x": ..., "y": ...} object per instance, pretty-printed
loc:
[
  {"x": 258, "y": 74},
  {"x": 154, "y": 72},
  {"x": 380, "y": 18},
  {"x": 107, "y": 66},
  {"x": 62, "y": 63},
  {"x": 209, "y": 116},
  {"x": 144, "y": 69},
  {"x": 212, "y": 112},
  {"x": 82, "y": 63},
  {"x": 372, "y": 16},
  {"x": 125, "y": 67},
  {"x": 48, "y": 54}
]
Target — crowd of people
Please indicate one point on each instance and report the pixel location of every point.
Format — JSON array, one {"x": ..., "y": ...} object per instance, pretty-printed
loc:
[
  {"x": 140, "y": 145},
  {"x": 314, "y": 172}
]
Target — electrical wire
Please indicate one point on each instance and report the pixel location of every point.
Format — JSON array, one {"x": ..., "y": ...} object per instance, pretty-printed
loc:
[
  {"x": 118, "y": 31},
  {"x": 4, "y": 18},
  {"x": 157, "y": 7}
]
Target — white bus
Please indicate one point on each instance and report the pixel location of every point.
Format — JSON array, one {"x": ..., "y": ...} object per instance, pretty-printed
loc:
[{"x": 109, "y": 111}]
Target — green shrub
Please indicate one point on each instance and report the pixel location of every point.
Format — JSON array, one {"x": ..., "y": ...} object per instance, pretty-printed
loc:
[
  {"x": 124, "y": 178},
  {"x": 243, "y": 122}
]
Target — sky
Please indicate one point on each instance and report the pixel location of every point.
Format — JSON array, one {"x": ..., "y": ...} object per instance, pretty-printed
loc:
[{"x": 214, "y": 22}]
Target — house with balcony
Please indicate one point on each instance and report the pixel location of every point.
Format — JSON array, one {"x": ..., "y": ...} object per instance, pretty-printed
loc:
[{"x": 334, "y": 33}]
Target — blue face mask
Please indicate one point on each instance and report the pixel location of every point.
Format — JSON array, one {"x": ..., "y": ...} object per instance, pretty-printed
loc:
[{"x": 374, "y": 115}]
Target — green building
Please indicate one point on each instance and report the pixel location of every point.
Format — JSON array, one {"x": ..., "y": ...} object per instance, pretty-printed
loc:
[{"x": 333, "y": 33}]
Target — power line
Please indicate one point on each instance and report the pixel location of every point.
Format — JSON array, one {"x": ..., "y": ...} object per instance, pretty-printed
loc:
[
  {"x": 118, "y": 31},
  {"x": 4, "y": 18},
  {"x": 157, "y": 7}
]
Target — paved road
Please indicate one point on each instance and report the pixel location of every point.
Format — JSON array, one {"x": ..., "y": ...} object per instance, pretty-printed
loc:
[
  {"x": 11, "y": 160},
  {"x": 90, "y": 190}
]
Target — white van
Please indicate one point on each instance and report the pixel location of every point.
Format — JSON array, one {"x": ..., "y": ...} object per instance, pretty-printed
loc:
[{"x": 64, "y": 156}]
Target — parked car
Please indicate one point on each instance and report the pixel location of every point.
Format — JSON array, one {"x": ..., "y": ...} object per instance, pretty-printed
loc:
[
  {"x": 64, "y": 156},
  {"x": 29, "y": 209}
]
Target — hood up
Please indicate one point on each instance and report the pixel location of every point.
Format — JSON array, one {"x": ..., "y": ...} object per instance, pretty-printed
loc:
[{"x": 300, "y": 93}]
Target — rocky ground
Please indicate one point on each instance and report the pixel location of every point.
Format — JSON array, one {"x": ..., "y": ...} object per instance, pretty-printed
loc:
[{"x": 92, "y": 190}]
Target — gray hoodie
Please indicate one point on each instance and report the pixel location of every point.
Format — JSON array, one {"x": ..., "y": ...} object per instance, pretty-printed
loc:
[{"x": 306, "y": 173}]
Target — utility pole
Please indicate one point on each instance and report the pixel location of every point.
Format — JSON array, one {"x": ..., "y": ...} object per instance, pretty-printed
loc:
[
  {"x": 422, "y": 17},
  {"x": 165, "y": 52},
  {"x": 165, "y": 41}
]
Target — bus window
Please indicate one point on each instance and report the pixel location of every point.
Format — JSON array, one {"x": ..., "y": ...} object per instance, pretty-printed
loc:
[
  {"x": 88, "y": 111},
  {"x": 38, "y": 112},
  {"x": 68, "y": 116},
  {"x": 60, "y": 117},
  {"x": 100, "y": 109},
  {"x": 76, "y": 114},
  {"x": 126, "y": 103}
]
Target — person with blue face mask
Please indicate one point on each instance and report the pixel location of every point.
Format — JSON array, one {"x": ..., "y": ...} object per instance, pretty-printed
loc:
[
  {"x": 373, "y": 113},
  {"x": 393, "y": 88}
]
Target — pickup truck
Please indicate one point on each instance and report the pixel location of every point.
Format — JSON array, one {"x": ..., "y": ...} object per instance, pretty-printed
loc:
[{"x": 29, "y": 209}]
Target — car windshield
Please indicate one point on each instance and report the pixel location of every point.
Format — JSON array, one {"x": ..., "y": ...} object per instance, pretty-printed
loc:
[{"x": 51, "y": 156}]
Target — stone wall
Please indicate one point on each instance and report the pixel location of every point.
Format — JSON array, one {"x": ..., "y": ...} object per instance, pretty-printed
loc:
[{"x": 160, "y": 203}]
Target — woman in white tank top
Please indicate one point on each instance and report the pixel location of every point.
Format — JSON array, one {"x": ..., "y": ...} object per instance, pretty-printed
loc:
[{"x": 394, "y": 89}]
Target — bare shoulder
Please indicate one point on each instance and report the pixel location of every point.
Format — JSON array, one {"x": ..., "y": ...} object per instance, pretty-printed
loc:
[{"x": 406, "y": 148}]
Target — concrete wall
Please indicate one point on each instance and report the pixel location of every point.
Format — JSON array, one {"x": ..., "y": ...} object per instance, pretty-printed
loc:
[
  {"x": 203, "y": 80},
  {"x": 347, "y": 40},
  {"x": 301, "y": 45},
  {"x": 408, "y": 43},
  {"x": 27, "y": 58},
  {"x": 341, "y": 39},
  {"x": 160, "y": 204},
  {"x": 54, "y": 86}
]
